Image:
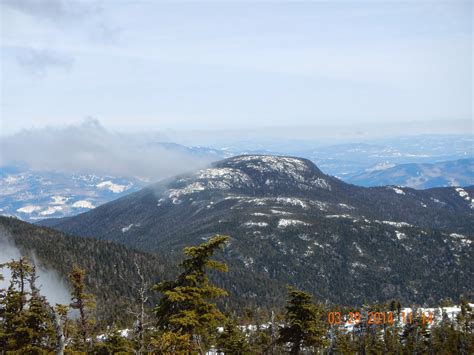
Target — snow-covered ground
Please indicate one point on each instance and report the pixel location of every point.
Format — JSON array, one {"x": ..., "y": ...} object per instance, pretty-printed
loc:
[{"x": 34, "y": 195}]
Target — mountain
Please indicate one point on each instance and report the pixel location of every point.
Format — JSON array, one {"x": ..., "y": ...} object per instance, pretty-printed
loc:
[
  {"x": 111, "y": 274},
  {"x": 419, "y": 176},
  {"x": 350, "y": 159},
  {"x": 34, "y": 195},
  {"x": 291, "y": 224}
]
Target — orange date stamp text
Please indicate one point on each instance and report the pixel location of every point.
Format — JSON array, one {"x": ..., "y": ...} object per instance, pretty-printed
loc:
[{"x": 380, "y": 318}]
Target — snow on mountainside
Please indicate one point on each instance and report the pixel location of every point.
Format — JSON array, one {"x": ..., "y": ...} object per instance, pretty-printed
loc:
[
  {"x": 230, "y": 176},
  {"x": 419, "y": 176},
  {"x": 290, "y": 222},
  {"x": 32, "y": 195},
  {"x": 352, "y": 159},
  {"x": 29, "y": 195}
]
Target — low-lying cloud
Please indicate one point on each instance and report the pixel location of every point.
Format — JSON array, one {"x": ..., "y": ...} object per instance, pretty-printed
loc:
[
  {"x": 51, "y": 285},
  {"x": 90, "y": 148}
]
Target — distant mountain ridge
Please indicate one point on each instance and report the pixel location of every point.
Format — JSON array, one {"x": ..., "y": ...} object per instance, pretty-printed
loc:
[
  {"x": 33, "y": 195},
  {"x": 420, "y": 176},
  {"x": 290, "y": 223}
]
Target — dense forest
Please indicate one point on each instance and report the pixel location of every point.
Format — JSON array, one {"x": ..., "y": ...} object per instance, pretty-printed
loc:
[
  {"x": 184, "y": 318},
  {"x": 291, "y": 224}
]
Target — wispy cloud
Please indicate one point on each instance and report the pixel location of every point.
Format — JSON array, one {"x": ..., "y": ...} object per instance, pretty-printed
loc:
[
  {"x": 53, "y": 10},
  {"x": 31, "y": 23},
  {"x": 89, "y": 147},
  {"x": 51, "y": 285},
  {"x": 39, "y": 61},
  {"x": 87, "y": 16}
]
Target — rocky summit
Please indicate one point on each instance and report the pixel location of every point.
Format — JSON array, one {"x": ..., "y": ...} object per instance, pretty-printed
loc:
[{"x": 291, "y": 223}]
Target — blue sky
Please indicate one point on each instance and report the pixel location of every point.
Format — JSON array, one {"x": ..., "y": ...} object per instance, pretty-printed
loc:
[{"x": 226, "y": 65}]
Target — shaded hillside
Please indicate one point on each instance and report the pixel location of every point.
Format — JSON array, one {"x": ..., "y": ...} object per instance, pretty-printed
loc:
[
  {"x": 290, "y": 223},
  {"x": 110, "y": 266}
]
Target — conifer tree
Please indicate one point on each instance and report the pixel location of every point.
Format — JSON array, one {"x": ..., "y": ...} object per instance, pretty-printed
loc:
[
  {"x": 304, "y": 326},
  {"x": 184, "y": 308},
  {"x": 38, "y": 319},
  {"x": 84, "y": 303},
  {"x": 232, "y": 340},
  {"x": 26, "y": 324},
  {"x": 343, "y": 342},
  {"x": 171, "y": 342},
  {"x": 465, "y": 320},
  {"x": 374, "y": 341},
  {"x": 114, "y": 342},
  {"x": 15, "y": 334}
]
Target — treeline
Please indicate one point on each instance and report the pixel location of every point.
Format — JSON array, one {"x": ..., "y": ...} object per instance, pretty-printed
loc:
[{"x": 186, "y": 320}]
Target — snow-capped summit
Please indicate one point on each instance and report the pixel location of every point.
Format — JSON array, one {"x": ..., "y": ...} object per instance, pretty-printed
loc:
[
  {"x": 290, "y": 222},
  {"x": 253, "y": 174},
  {"x": 286, "y": 217}
]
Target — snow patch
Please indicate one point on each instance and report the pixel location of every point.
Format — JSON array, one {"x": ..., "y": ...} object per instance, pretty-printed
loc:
[
  {"x": 465, "y": 195},
  {"x": 283, "y": 213},
  {"x": 251, "y": 224},
  {"x": 309, "y": 251},
  {"x": 461, "y": 238},
  {"x": 338, "y": 216},
  {"x": 175, "y": 194},
  {"x": 83, "y": 204},
  {"x": 462, "y": 193},
  {"x": 109, "y": 185},
  {"x": 400, "y": 235},
  {"x": 396, "y": 224},
  {"x": 397, "y": 190},
  {"x": 29, "y": 209},
  {"x": 292, "y": 202},
  {"x": 283, "y": 223},
  {"x": 127, "y": 228},
  {"x": 50, "y": 210},
  {"x": 360, "y": 265},
  {"x": 343, "y": 205},
  {"x": 359, "y": 250}
]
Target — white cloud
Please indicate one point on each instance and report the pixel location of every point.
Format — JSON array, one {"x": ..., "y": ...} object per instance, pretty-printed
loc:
[{"x": 89, "y": 147}]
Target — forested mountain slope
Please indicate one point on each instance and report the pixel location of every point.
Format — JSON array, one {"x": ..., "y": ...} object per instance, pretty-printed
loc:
[
  {"x": 290, "y": 223},
  {"x": 110, "y": 267}
]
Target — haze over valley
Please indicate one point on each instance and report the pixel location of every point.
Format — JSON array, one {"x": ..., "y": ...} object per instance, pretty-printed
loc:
[{"x": 235, "y": 177}]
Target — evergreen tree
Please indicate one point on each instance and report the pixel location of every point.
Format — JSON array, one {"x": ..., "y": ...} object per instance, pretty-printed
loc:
[
  {"x": 343, "y": 343},
  {"x": 84, "y": 303},
  {"x": 184, "y": 308},
  {"x": 465, "y": 320},
  {"x": 25, "y": 319},
  {"x": 38, "y": 319},
  {"x": 15, "y": 335},
  {"x": 232, "y": 340},
  {"x": 171, "y": 342},
  {"x": 304, "y": 326},
  {"x": 114, "y": 342}
]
